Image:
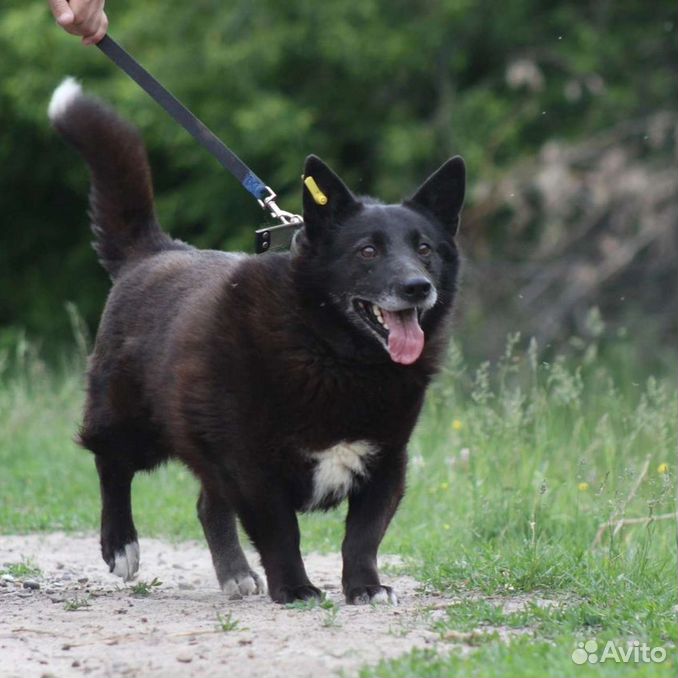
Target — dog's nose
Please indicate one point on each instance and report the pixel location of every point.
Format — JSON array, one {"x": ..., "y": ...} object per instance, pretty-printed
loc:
[{"x": 415, "y": 289}]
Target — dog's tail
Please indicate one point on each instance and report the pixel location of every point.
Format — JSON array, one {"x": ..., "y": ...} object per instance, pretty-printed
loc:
[{"x": 121, "y": 193}]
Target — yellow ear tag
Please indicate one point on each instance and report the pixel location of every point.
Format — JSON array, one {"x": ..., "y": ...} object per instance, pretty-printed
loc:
[{"x": 318, "y": 196}]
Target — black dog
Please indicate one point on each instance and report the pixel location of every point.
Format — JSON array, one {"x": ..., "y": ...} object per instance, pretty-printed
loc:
[{"x": 285, "y": 382}]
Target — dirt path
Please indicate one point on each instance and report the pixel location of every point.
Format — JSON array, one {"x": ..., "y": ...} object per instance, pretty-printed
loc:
[{"x": 173, "y": 630}]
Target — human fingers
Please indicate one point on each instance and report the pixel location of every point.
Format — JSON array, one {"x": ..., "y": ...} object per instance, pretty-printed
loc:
[
  {"x": 88, "y": 16},
  {"x": 62, "y": 12},
  {"x": 99, "y": 33}
]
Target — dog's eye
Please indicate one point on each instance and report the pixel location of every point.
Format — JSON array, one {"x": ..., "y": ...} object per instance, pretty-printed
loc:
[
  {"x": 424, "y": 250},
  {"x": 368, "y": 252}
]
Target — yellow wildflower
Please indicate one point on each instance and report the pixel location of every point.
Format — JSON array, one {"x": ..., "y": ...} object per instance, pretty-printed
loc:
[
  {"x": 663, "y": 468},
  {"x": 457, "y": 425},
  {"x": 582, "y": 487}
]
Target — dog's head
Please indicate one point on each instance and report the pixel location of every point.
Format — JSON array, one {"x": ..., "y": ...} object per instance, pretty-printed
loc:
[{"x": 388, "y": 270}]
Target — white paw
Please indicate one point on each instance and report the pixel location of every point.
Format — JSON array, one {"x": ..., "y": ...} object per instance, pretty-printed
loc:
[
  {"x": 384, "y": 596},
  {"x": 127, "y": 561},
  {"x": 243, "y": 585},
  {"x": 373, "y": 595}
]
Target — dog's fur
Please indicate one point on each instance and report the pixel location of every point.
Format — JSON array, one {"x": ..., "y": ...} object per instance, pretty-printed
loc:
[{"x": 270, "y": 377}]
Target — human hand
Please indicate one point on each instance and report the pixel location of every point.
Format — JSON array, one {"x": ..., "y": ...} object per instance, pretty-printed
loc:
[{"x": 81, "y": 17}]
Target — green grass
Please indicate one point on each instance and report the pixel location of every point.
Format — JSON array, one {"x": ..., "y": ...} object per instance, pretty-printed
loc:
[
  {"x": 226, "y": 623},
  {"x": 142, "y": 589},
  {"x": 514, "y": 468},
  {"x": 330, "y": 616},
  {"x": 77, "y": 603},
  {"x": 21, "y": 570}
]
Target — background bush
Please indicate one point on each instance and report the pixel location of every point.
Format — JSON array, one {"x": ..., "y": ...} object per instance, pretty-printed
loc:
[{"x": 565, "y": 113}]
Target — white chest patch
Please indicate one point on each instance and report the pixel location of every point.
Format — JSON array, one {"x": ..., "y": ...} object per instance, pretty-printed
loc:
[{"x": 337, "y": 469}]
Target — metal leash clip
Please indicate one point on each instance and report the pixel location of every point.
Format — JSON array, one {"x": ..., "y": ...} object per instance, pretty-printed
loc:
[{"x": 280, "y": 236}]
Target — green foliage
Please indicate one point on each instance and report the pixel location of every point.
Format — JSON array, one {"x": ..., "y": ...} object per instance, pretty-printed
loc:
[
  {"x": 304, "y": 605},
  {"x": 77, "y": 603},
  {"x": 21, "y": 570},
  {"x": 330, "y": 610},
  {"x": 517, "y": 477},
  {"x": 226, "y": 622},
  {"x": 145, "y": 588},
  {"x": 331, "y": 613},
  {"x": 524, "y": 657},
  {"x": 382, "y": 90}
]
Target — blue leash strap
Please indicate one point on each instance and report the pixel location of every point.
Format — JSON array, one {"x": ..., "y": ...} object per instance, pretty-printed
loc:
[{"x": 197, "y": 129}]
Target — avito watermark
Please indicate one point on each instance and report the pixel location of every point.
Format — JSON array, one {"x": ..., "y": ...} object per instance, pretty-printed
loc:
[{"x": 635, "y": 652}]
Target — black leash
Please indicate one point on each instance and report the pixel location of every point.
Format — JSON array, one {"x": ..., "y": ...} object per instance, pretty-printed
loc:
[{"x": 266, "y": 238}]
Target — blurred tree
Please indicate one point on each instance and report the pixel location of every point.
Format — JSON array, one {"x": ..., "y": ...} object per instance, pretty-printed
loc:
[{"x": 384, "y": 91}]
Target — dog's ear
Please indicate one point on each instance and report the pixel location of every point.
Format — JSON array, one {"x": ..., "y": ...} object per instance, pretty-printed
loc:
[
  {"x": 442, "y": 194},
  {"x": 327, "y": 200}
]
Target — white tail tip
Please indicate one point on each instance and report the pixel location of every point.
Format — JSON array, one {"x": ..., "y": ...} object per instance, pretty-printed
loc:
[{"x": 67, "y": 92}]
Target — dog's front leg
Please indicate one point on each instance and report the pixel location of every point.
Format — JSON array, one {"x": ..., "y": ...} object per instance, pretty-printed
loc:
[
  {"x": 271, "y": 523},
  {"x": 369, "y": 514}
]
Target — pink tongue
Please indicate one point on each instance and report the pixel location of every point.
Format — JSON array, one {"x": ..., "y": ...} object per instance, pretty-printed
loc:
[{"x": 405, "y": 337}]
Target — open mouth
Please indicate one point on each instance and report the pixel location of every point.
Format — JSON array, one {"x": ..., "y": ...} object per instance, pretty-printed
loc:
[{"x": 399, "y": 330}]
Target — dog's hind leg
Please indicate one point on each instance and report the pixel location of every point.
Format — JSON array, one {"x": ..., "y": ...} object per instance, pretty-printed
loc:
[
  {"x": 119, "y": 545},
  {"x": 234, "y": 573}
]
